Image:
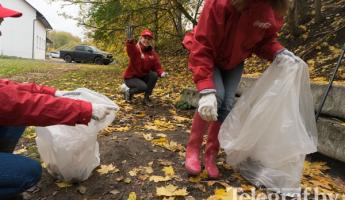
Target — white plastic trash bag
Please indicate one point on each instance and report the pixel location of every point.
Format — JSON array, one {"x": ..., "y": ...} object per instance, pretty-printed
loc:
[
  {"x": 71, "y": 152},
  {"x": 272, "y": 127}
]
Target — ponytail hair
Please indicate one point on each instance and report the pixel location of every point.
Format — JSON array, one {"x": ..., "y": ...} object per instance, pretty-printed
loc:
[{"x": 280, "y": 6}]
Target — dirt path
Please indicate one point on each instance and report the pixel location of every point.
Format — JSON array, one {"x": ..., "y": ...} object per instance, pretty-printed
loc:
[{"x": 143, "y": 141}]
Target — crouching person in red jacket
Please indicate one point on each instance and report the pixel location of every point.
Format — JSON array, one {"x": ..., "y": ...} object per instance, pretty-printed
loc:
[
  {"x": 228, "y": 32},
  {"x": 28, "y": 104},
  {"x": 144, "y": 66}
]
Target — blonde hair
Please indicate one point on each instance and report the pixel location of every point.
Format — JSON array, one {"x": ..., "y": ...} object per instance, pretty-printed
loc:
[{"x": 280, "y": 6}]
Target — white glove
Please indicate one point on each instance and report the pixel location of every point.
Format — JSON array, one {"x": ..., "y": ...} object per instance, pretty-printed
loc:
[
  {"x": 100, "y": 111},
  {"x": 124, "y": 87},
  {"x": 164, "y": 74},
  {"x": 60, "y": 93},
  {"x": 208, "y": 107},
  {"x": 286, "y": 55}
]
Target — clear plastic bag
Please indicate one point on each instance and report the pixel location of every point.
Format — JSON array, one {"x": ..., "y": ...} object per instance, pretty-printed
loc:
[
  {"x": 72, "y": 152},
  {"x": 272, "y": 127}
]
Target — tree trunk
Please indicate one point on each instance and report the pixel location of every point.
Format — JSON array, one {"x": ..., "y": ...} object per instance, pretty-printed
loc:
[
  {"x": 292, "y": 19},
  {"x": 179, "y": 27},
  {"x": 302, "y": 10},
  {"x": 317, "y": 7},
  {"x": 156, "y": 20}
]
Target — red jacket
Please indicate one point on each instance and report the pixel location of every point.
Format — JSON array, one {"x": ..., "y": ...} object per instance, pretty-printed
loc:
[
  {"x": 28, "y": 104},
  {"x": 140, "y": 66},
  {"x": 225, "y": 37}
]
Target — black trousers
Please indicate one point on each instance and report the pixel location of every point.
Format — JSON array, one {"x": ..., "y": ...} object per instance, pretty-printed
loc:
[{"x": 143, "y": 84}]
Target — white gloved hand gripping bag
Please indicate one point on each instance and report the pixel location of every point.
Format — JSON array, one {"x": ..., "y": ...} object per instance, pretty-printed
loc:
[
  {"x": 272, "y": 127},
  {"x": 72, "y": 152}
]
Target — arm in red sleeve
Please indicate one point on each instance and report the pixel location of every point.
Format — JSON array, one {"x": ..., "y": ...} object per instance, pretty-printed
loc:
[
  {"x": 19, "y": 107},
  {"x": 158, "y": 67},
  {"x": 134, "y": 56},
  {"x": 132, "y": 50},
  {"x": 208, "y": 34},
  {"x": 30, "y": 87},
  {"x": 269, "y": 46}
]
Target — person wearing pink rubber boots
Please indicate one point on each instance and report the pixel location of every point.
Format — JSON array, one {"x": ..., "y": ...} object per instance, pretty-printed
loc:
[{"x": 228, "y": 32}]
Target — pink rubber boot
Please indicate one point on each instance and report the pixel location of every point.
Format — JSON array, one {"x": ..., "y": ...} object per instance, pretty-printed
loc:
[
  {"x": 212, "y": 148},
  {"x": 199, "y": 127}
]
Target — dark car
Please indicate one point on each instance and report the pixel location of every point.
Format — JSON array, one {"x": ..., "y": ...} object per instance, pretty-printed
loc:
[{"x": 86, "y": 54}]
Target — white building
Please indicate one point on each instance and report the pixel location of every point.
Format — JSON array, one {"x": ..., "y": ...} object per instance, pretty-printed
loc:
[{"x": 26, "y": 36}]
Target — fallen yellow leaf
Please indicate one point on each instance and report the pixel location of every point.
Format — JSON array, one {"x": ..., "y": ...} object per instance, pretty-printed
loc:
[
  {"x": 171, "y": 190},
  {"x": 148, "y": 170},
  {"x": 140, "y": 115},
  {"x": 181, "y": 119},
  {"x": 165, "y": 162},
  {"x": 44, "y": 165},
  {"x": 169, "y": 171},
  {"x": 148, "y": 136},
  {"x": 160, "y": 141},
  {"x": 132, "y": 196},
  {"x": 161, "y": 135},
  {"x": 121, "y": 129},
  {"x": 105, "y": 169},
  {"x": 63, "y": 184},
  {"x": 165, "y": 143},
  {"x": 157, "y": 179},
  {"x": 222, "y": 194},
  {"x": 197, "y": 179},
  {"x": 134, "y": 172},
  {"x": 127, "y": 180},
  {"x": 20, "y": 151}
]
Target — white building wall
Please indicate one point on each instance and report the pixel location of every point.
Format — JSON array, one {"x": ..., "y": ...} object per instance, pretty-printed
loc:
[
  {"x": 19, "y": 36},
  {"x": 39, "y": 41}
]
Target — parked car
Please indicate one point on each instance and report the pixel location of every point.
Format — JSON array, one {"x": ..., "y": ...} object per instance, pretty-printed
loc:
[
  {"x": 54, "y": 54},
  {"x": 86, "y": 54}
]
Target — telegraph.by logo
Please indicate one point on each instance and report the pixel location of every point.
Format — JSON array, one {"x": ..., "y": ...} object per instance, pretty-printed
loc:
[{"x": 269, "y": 194}]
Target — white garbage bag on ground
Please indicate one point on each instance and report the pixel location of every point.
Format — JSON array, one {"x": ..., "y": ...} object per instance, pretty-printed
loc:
[
  {"x": 272, "y": 127},
  {"x": 72, "y": 152}
]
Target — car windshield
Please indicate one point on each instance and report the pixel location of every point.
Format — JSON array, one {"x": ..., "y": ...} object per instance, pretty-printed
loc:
[{"x": 95, "y": 49}]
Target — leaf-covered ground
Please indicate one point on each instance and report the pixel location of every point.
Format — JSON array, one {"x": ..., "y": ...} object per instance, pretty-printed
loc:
[{"x": 142, "y": 152}]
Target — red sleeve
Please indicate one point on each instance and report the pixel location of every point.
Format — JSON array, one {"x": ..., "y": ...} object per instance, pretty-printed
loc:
[
  {"x": 19, "y": 107},
  {"x": 132, "y": 50},
  {"x": 158, "y": 67},
  {"x": 30, "y": 87},
  {"x": 134, "y": 56},
  {"x": 269, "y": 46},
  {"x": 207, "y": 36}
]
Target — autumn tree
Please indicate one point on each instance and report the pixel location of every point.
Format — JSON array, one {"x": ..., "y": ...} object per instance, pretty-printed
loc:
[
  {"x": 106, "y": 20},
  {"x": 63, "y": 40}
]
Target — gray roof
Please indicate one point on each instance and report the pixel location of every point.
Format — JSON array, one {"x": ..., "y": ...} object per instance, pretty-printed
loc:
[{"x": 41, "y": 17}]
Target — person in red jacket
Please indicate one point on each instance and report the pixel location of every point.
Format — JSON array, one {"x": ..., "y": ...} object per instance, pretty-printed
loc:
[
  {"x": 228, "y": 32},
  {"x": 29, "y": 104},
  {"x": 144, "y": 66}
]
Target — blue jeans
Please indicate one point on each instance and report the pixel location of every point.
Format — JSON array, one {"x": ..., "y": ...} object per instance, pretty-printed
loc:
[
  {"x": 17, "y": 173},
  {"x": 226, "y": 83}
]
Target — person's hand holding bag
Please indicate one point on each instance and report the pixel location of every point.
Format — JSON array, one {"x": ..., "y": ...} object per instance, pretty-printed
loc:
[
  {"x": 208, "y": 107},
  {"x": 100, "y": 111}
]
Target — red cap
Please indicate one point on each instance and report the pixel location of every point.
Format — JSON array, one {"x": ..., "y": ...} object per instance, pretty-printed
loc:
[
  {"x": 5, "y": 12},
  {"x": 147, "y": 32}
]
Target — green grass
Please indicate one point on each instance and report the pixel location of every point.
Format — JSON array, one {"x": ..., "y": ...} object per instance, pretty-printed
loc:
[
  {"x": 63, "y": 76},
  {"x": 14, "y": 66}
]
